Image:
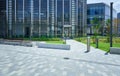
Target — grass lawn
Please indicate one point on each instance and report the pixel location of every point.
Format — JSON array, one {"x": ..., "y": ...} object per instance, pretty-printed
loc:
[
  {"x": 106, "y": 46},
  {"x": 47, "y": 40},
  {"x": 102, "y": 45}
]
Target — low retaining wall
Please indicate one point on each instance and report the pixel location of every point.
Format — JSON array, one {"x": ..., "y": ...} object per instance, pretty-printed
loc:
[
  {"x": 20, "y": 43},
  {"x": 35, "y": 44},
  {"x": 53, "y": 46},
  {"x": 114, "y": 50}
]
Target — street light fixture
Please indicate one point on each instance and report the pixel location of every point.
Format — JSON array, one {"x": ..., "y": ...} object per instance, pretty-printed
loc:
[{"x": 111, "y": 23}]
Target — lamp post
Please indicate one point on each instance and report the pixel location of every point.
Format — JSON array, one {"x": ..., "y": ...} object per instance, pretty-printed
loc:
[{"x": 111, "y": 23}]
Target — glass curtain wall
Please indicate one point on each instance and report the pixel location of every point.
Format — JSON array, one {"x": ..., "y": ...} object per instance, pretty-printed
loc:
[
  {"x": 59, "y": 17},
  {"x": 3, "y": 27},
  {"x": 73, "y": 16},
  {"x": 67, "y": 30},
  {"x": 36, "y": 18},
  {"x": 18, "y": 17},
  {"x": 46, "y": 17},
  {"x": 27, "y": 17},
  {"x": 52, "y": 14},
  {"x": 44, "y": 21},
  {"x": 10, "y": 17},
  {"x": 79, "y": 31},
  {"x": 66, "y": 12},
  {"x": 82, "y": 17}
]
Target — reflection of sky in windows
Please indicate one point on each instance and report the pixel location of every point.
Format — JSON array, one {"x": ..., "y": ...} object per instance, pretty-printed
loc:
[
  {"x": 27, "y": 5},
  {"x": 19, "y": 4},
  {"x": 59, "y": 10},
  {"x": 19, "y": 8},
  {"x": 66, "y": 11},
  {"x": 66, "y": 5},
  {"x": 19, "y": 14},
  {"x": 36, "y": 9},
  {"x": 98, "y": 10},
  {"x": 44, "y": 9},
  {"x": 59, "y": 7},
  {"x": 43, "y": 13}
]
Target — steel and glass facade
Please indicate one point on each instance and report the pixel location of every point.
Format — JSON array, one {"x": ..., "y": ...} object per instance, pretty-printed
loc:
[
  {"x": 3, "y": 24},
  {"x": 37, "y": 18},
  {"x": 101, "y": 11},
  {"x": 118, "y": 23}
]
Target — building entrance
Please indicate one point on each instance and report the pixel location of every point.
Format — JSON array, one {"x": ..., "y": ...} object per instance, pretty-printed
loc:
[
  {"x": 67, "y": 31},
  {"x": 27, "y": 31}
]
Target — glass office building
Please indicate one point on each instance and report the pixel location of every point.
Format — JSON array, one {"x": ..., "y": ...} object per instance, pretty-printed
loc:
[
  {"x": 3, "y": 24},
  {"x": 101, "y": 11},
  {"x": 118, "y": 22},
  {"x": 51, "y": 18}
]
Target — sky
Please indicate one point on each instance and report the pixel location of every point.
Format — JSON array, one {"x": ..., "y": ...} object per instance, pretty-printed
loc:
[{"x": 116, "y": 3}]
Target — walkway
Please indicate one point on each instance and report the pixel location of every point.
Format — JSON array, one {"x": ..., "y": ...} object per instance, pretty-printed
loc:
[{"x": 31, "y": 61}]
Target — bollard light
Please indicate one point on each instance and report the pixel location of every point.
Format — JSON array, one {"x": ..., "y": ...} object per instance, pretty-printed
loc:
[{"x": 88, "y": 45}]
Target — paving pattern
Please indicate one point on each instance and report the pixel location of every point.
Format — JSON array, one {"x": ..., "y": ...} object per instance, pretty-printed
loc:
[{"x": 32, "y": 61}]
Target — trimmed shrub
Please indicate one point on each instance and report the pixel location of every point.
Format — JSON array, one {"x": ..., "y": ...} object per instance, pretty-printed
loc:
[{"x": 46, "y": 39}]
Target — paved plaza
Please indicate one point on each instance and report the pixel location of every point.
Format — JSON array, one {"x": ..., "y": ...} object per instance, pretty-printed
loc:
[{"x": 33, "y": 61}]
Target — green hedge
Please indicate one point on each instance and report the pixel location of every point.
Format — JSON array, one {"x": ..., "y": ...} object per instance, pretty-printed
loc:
[
  {"x": 82, "y": 39},
  {"x": 46, "y": 39}
]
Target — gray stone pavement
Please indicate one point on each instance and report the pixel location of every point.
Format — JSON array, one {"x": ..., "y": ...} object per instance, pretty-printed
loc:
[{"x": 32, "y": 61}]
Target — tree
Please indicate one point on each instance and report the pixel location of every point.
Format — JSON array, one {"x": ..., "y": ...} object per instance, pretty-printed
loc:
[
  {"x": 96, "y": 26},
  {"x": 107, "y": 31}
]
